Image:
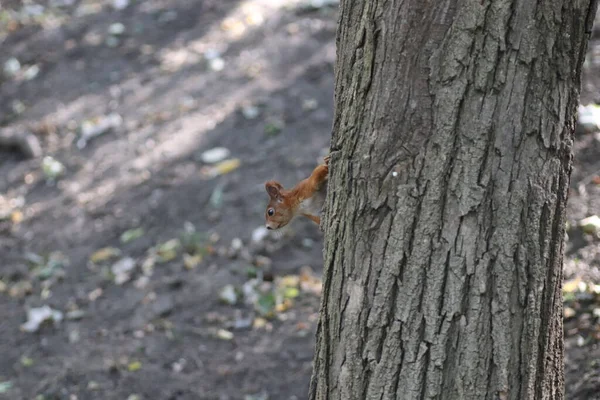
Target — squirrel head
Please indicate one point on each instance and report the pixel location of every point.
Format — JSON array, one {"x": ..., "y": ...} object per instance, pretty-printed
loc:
[{"x": 279, "y": 212}]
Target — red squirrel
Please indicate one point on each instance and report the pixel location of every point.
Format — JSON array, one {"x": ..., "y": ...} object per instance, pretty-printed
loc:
[{"x": 306, "y": 198}]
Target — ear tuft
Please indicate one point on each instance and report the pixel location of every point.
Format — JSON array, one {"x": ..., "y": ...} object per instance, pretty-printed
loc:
[{"x": 273, "y": 189}]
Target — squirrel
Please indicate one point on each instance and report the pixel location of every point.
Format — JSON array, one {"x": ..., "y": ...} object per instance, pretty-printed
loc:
[{"x": 306, "y": 198}]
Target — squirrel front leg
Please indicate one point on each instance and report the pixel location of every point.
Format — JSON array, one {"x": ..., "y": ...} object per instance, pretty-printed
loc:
[
  {"x": 313, "y": 218},
  {"x": 319, "y": 176}
]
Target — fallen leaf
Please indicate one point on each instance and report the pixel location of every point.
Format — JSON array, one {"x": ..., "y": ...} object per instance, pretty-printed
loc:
[
  {"x": 215, "y": 155},
  {"x": 193, "y": 242},
  {"x": 571, "y": 285},
  {"x": 31, "y": 72},
  {"x": 589, "y": 117},
  {"x": 262, "y": 261},
  {"x": 289, "y": 281},
  {"x": 46, "y": 293},
  {"x": 308, "y": 243},
  {"x": 259, "y": 323},
  {"x": 19, "y": 107},
  {"x": 148, "y": 265},
  {"x": 95, "y": 294},
  {"x": 187, "y": 103},
  {"x": 224, "y": 334},
  {"x": 569, "y": 312},
  {"x": 141, "y": 282},
  {"x": 214, "y": 318},
  {"x": 52, "y": 266},
  {"x": 103, "y": 124},
  {"x": 179, "y": 365},
  {"x": 266, "y": 304},
  {"x": 216, "y": 64},
  {"x": 257, "y": 396},
  {"x": 254, "y": 18},
  {"x": 216, "y": 197},
  {"x": 191, "y": 262},
  {"x": 122, "y": 270},
  {"x": 241, "y": 323},
  {"x": 52, "y": 168},
  {"x": 116, "y": 29},
  {"x": 310, "y": 104},
  {"x": 74, "y": 336},
  {"x": 34, "y": 258},
  {"x": 105, "y": 254},
  {"x": 134, "y": 366},
  {"x": 273, "y": 128},
  {"x": 20, "y": 289},
  {"x": 250, "y": 291},
  {"x": 26, "y": 361},
  {"x": 228, "y": 295},
  {"x": 283, "y": 306},
  {"x": 310, "y": 283},
  {"x": 120, "y": 4},
  {"x": 37, "y": 316},
  {"x": 131, "y": 235},
  {"x": 302, "y": 326},
  {"x": 251, "y": 271},
  {"x": 168, "y": 250},
  {"x": 167, "y": 16},
  {"x": 93, "y": 385},
  {"x": 590, "y": 225},
  {"x": 12, "y": 67},
  {"x": 87, "y": 9},
  {"x": 221, "y": 168},
  {"x": 234, "y": 26},
  {"x": 237, "y": 244},
  {"x": 211, "y": 53},
  {"x": 291, "y": 292},
  {"x": 5, "y": 386},
  {"x": 316, "y": 4},
  {"x": 16, "y": 217},
  {"x": 75, "y": 314},
  {"x": 250, "y": 111}
]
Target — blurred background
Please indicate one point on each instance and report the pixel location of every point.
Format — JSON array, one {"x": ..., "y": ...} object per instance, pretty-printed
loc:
[{"x": 135, "y": 137}]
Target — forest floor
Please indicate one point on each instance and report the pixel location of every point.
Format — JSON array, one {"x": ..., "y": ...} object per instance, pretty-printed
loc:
[{"x": 142, "y": 247}]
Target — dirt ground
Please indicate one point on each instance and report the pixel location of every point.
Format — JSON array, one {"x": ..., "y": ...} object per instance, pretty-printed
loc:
[{"x": 162, "y": 317}]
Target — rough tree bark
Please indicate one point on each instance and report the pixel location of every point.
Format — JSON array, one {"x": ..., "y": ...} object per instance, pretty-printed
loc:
[{"x": 444, "y": 222}]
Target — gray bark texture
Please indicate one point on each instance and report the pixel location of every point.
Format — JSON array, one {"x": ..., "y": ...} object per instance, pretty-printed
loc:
[{"x": 445, "y": 214}]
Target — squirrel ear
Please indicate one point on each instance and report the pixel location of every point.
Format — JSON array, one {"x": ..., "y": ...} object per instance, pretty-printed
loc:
[{"x": 273, "y": 189}]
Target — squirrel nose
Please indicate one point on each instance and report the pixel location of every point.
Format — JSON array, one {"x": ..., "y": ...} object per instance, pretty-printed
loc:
[{"x": 268, "y": 227}]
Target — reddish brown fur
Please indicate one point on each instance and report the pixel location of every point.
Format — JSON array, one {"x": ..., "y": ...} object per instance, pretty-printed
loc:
[{"x": 286, "y": 203}]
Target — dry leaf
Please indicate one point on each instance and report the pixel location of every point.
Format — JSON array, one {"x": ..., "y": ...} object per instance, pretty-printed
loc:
[
  {"x": 571, "y": 285},
  {"x": 104, "y": 254}
]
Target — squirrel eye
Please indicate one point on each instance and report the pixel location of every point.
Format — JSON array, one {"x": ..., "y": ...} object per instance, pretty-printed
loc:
[{"x": 270, "y": 212}]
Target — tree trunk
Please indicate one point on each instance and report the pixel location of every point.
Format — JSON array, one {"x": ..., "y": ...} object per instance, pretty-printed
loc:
[{"x": 445, "y": 215}]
